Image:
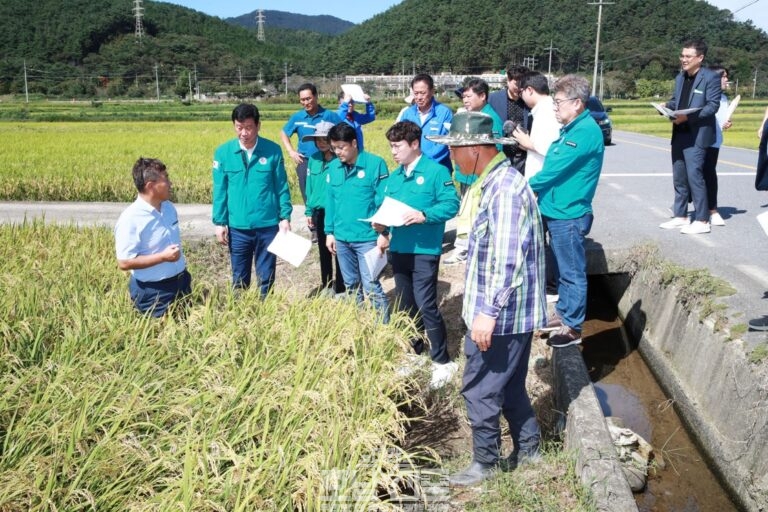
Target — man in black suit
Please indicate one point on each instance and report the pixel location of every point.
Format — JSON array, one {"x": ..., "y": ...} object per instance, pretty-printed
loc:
[
  {"x": 696, "y": 87},
  {"x": 509, "y": 106}
]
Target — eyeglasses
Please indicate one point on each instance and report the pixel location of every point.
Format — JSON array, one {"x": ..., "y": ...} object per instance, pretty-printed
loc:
[
  {"x": 561, "y": 101},
  {"x": 687, "y": 57}
]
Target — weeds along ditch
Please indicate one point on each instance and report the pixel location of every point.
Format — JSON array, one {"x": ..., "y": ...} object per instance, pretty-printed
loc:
[{"x": 240, "y": 405}]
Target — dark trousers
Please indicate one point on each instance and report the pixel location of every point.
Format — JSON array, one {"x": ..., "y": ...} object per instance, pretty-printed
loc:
[
  {"x": 249, "y": 247},
  {"x": 326, "y": 258},
  {"x": 154, "y": 297},
  {"x": 301, "y": 174},
  {"x": 710, "y": 176},
  {"x": 416, "y": 290},
  {"x": 688, "y": 180},
  {"x": 494, "y": 384}
]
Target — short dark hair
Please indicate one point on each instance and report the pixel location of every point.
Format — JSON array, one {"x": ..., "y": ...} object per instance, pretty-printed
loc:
[
  {"x": 479, "y": 87},
  {"x": 404, "y": 130},
  {"x": 535, "y": 81},
  {"x": 423, "y": 77},
  {"x": 245, "y": 111},
  {"x": 517, "y": 73},
  {"x": 342, "y": 132},
  {"x": 720, "y": 70},
  {"x": 147, "y": 169},
  {"x": 308, "y": 87},
  {"x": 697, "y": 44}
]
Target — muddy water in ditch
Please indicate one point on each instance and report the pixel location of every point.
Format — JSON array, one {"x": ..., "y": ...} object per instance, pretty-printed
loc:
[{"x": 627, "y": 389}]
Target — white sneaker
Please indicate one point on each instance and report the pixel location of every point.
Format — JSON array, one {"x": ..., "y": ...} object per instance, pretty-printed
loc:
[
  {"x": 458, "y": 256},
  {"x": 716, "y": 220},
  {"x": 696, "y": 228},
  {"x": 442, "y": 374},
  {"x": 677, "y": 222}
]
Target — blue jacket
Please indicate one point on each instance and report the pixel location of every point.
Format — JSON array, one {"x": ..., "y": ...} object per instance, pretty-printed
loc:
[
  {"x": 699, "y": 130},
  {"x": 438, "y": 122},
  {"x": 358, "y": 119}
]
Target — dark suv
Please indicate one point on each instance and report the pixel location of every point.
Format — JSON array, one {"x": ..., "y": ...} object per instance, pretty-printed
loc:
[{"x": 600, "y": 115}]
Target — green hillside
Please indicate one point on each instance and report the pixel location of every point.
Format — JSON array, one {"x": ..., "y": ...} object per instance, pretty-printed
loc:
[{"x": 96, "y": 52}]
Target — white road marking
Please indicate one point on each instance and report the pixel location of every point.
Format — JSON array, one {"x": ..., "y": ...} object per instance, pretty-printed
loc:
[
  {"x": 755, "y": 272},
  {"x": 666, "y": 174},
  {"x": 635, "y": 197}
]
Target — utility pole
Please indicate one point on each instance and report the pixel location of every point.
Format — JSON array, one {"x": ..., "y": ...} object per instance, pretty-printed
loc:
[
  {"x": 240, "y": 75},
  {"x": 260, "y": 18},
  {"x": 754, "y": 84},
  {"x": 189, "y": 80},
  {"x": 26, "y": 88},
  {"x": 549, "y": 68},
  {"x": 157, "y": 83},
  {"x": 599, "y": 4},
  {"x": 286, "y": 79},
  {"x": 138, "y": 13}
]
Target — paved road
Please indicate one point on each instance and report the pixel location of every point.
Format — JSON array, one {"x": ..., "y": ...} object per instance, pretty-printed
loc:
[
  {"x": 633, "y": 198},
  {"x": 635, "y": 195}
]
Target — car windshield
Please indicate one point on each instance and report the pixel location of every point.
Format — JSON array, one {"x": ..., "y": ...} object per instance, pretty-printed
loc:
[{"x": 594, "y": 104}]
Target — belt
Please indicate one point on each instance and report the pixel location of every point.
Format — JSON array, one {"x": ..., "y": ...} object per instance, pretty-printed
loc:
[{"x": 167, "y": 280}]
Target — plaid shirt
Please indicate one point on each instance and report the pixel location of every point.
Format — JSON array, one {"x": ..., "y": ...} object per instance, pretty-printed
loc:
[{"x": 505, "y": 265}]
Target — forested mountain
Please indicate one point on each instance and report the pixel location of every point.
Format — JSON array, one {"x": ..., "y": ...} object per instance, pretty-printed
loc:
[
  {"x": 85, "y": 47},
  {"x": 639, "y": 38},
  {"x": 330, "y": 25}
]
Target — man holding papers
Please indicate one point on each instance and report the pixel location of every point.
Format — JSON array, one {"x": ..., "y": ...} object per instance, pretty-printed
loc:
[
  {"x": 251, "y": 201},
  {"x": 415, "y": 245},
  {"x": 692, "y": 134},
  {"x": 355, "y": 191}
]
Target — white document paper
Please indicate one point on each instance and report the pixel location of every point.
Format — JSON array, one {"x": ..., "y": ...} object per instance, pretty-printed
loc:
[
  {"x": 391, "y": 213},
  {"x": 763, "y": 220},
  {"x": 354, "y": 90},
  {"x": 671, "y": 114},
  {"x": 290, "y": 247},
  {"x": 732, "y": 106},
  {"x": 375, "y": 261}
]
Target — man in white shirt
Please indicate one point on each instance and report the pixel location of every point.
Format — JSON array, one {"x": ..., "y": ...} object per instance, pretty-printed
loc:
[
  {"x": 148, "y": 243},
  {"x": 534, "y": 89}
]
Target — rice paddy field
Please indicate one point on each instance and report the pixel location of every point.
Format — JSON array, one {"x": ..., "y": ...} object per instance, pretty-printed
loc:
[{"x": 231, "y": 404}]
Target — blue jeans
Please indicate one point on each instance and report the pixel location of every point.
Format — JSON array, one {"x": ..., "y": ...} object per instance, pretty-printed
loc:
[
  {"x": 494, "y": 384},
  {"x": 357, "y": 279},
  {"x": 154, "y": 297},
  {"x": 249, "y": 246},
  {"x": 566, "y": 239}
]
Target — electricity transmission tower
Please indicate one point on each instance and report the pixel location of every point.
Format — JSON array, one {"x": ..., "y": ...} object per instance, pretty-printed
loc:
[
  {"x": 138, "y": 12},
  {"x": 260, "y": 23}
]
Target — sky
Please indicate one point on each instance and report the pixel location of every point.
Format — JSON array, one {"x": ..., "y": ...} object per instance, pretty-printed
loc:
[
  {"x": 361, "y": 10},
  {"x": 757, "y": 11},
  {"x": 355, "y": 11}
]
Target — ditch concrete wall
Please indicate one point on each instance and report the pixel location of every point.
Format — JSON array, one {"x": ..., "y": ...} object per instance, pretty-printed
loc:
[
  {"x": 720, "y": 396},
  {"x": 586, "y": 433}
]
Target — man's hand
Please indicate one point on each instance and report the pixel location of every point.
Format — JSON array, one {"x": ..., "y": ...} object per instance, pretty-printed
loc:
[
  {"x": 222, "y": 235},
  {"x": 414, "y": 217},
  {"x": 310, "y": 223},
  {"x": 285, "y": 225},
  {"x": 171, "y": 253},
  {"x": 727, "y": 124},
  {"x": 295, "y": 156},
  {"x": 378, "y": 227},
  {"x": 680, "y": 119},
  {"x": 522, "y": 138},
  {"x": 330, "y": 243},
  {"x": 482, "y": 330},
  {"x": 382, "y": 243}
]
